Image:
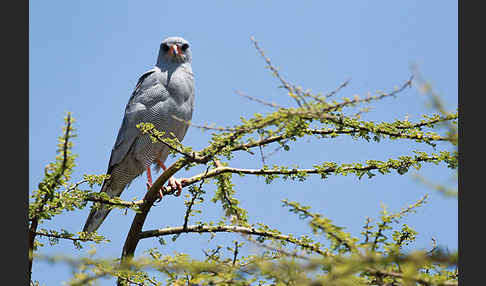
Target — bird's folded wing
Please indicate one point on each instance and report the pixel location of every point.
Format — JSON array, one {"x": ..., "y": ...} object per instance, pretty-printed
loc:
[{"x": 135, "y": 112}]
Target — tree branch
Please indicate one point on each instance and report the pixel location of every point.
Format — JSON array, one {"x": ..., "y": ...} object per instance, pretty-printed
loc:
[
  {"x": 225, "y": 169},
  {"x": 285, "y": 84},
  {"x": 133, "y": 238},
  {"x": 404, "y": 277},
  {"x": 48, "y": 193},
  {"x": 120, "y": 202},
  {"x": 228, "y": 228},
  {"x": 62, "y": 236},
  {"x": 341, "y": 86},
  {"x": 408, "y": 83}
]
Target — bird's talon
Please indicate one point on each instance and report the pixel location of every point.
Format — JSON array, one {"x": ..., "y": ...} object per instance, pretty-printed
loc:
[{"x": 176, "y": 184}]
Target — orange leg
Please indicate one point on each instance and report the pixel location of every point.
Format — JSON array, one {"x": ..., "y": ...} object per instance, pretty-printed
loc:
[
  {"x": 173, "y": 183},
  {"x": 149, "y": 178},
  {"x": 149, "y": 183}
]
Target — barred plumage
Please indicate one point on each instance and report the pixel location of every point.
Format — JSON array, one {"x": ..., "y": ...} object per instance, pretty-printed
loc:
[{"x": 166, "y": 90}]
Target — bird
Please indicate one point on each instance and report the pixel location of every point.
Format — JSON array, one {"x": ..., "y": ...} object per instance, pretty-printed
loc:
[{"x": 163, "y": 96}]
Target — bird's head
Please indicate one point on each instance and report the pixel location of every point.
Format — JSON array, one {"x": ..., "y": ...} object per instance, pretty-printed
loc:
[{"x": 175, "y": 50}]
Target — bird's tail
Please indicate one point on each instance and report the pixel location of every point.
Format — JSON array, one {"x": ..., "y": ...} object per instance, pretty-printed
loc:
[{"x": 98, "y": 215}]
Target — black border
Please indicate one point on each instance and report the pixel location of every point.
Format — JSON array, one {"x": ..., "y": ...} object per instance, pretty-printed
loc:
[
  {"x": 470, "y": 94},
  {"x": 15, "y": 145}
]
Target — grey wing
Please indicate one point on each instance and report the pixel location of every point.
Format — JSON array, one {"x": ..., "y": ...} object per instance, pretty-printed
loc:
[{"x": 135, "y": 111}]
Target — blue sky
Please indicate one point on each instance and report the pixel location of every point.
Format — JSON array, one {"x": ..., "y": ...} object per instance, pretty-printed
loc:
[{"x": 86, "y": 57}]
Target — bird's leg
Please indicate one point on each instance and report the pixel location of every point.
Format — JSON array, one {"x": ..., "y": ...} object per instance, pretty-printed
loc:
[
  {"x": 149, "y": 183},
  {"x": 173, "y": 182},
  {"x": 149, "y": 178}
]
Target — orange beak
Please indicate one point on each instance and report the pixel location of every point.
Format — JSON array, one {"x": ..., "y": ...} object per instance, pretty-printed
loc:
[{"x": 174, "y": 50}]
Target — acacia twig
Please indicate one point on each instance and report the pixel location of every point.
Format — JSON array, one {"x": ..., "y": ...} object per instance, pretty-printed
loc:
[
  {"x": 271, "y": 104},
  {"x": 191, "y": 204},
  {"x": 235, "y": 253},
  {"x": 120, "y": 202},
  {"x": 226, "y": 169},
  {"x": 375, "y": 272},
  {"x": 133, "y": 238},
  {"x": 60, "y": 236},
  {"x": 408, "y": 83},
  {"x": 227, "y": 228},
  {"x": 345, "y": 83},
  {"x": 47, "y": 196},
  {"x": 274, "y": 70}
]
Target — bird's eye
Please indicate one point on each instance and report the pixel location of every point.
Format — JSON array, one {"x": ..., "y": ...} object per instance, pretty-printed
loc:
[
  {"x": 184, "y": 47},
  {"x": 164, "y": 47}
]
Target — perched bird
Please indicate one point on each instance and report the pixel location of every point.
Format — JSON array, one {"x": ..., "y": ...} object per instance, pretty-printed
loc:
[{"x": 163, "y": 92}]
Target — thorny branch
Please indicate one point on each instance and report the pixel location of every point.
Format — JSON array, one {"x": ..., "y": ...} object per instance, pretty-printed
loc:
[
  {"x": 49, "y": 192},
  {"x": 193, "y": 199},
  {"x": 227, "y": 228},
  {"x": 235, "y": 253},
  {"x": 121, "y": 203},
  {"x": 226, "y": 169},
  {"x": 408, "y": 83},
  {"x": 344, "y": 84},
  {"x": 405, "y": 277},
  {"x": 132, "y": 239},
  {"x": 270, "y": 104},
  {"x": 60, "y": 236},
  {"x": 369, "y": 270},
  {"x": 285, "y": 84}
]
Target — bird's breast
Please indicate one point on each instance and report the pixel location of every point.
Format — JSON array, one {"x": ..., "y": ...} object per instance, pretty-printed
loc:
[{"x": 180, "y": 87}]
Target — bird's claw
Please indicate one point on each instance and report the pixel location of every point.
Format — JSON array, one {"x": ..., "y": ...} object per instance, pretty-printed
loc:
[{"x": 176, "y": 184}]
